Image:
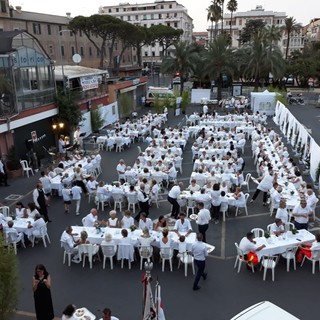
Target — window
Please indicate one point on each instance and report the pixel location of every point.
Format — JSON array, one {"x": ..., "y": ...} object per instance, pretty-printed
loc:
[
  {"x": 36, "y": 28},
  {"x": 240, "y": 22},
  {"x": 160, "y": 16},
  {"x": 153, "y": 53},
  {"x": 168, "y": 24},
  {"x": 129, "y": 18},
  {"x": 152, "y": 16},
  {"x": 121, "y": 17},
  {"x": 161, "y": 7},
  {"x": 117, "y": 9},
  {"x": 116, "y": 46},
  {"x": 81, "y": 52},
  {"x": 170, "y": 6},
  {"x": 137, "y": 17},
  {"x": 60, "y": 29},
  {"x": 98, "y": 52},
  {"x": 146, "y": 53},
  {"x": 176, "y": 24},
  {"x": 49, "y": 29},
  {"x": 71, "y": 34},
  {"x": 50, "y": 49},
  {"x": 175, "y": 15},
  {"x": 144, "y": 17},
  {"x": 90, "y": 51},
  {"x": 62, "y": 51},
  {"x": 72, "y": 51},
  {"x": 80, "y": 33},
  {"x": 145, "y": 25},
  {"x": 3, "y": 6},
  {"x": 110, "y": 10}
]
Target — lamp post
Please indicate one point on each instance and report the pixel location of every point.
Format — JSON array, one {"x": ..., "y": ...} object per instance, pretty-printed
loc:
[{"x": 61, "y": 55}]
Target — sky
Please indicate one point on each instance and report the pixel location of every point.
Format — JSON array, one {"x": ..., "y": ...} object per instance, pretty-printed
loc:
[{"x": 303, "y": 12}]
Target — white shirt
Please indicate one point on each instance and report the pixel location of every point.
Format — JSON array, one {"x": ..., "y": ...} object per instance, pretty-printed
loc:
[
  {"x": 76, "y": 192},
  {"x": 182, "y": 227},
  {"x": 90, "y": 220},
  {"x": 315, "y": 249},
  {"x": 148, "y": 223},
  {"x": 266, "y": 183},
  {"x": 246, "y": 245},
  {"x": 203, "y": 217},
  {"x": 274, "y": 228},
  {"x": 121, "y": 168},
  {"x": 282, "y": 213},
  {"x": 127, "y": 222},
  {"x": 68, "y": 239},
  {"x": 174, "y": 192},
  {"x": 298, "y": 209},
  {"x": 199, "y": 251}
]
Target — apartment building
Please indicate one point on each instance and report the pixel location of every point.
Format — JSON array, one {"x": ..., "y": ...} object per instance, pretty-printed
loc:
[
  {"x": 169, "y": 13},
  {"x": 312, "y": 31},
  {"x": 270, "y": 18},
  {"x": 52, "y": 32}
]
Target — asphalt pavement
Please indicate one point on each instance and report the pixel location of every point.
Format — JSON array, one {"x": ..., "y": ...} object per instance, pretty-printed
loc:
[{"x": 222, "y": 295}]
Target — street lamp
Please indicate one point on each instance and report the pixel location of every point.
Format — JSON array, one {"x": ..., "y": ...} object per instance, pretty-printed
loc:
[{"x": 62, "y": 64}]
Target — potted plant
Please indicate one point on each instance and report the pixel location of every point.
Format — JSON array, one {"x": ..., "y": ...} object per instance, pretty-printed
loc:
[{"x": 13, "y": 163}]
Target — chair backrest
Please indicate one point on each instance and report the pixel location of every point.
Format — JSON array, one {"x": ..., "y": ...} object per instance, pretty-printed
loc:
[
  {"x": 246, "y": 196},
  {"x": 117, "y": 196},
  {"x": 11, "y": 236},
  {"x": 139, "y": 149},
  {"x": 125, "y": 251},
  {"x": 270, "y": 261},
  {"x": 207, "y": 204},
  {"x": 239, "y": 251},
  {"x": 190, "y": 202},
  {"x": 24, "y": 164},
  {"x": 289, "y": 226},
  {"x": 86, "y": 249},
  {"x": 145, "y": 251},
  {"x": 43, "y": 230},
  {"x": 66, "y": 247},
  {"x": 132, "y": 198},
  {"x": 201, "y": 182},
  {"x": 5, "y": 211},
  {"x": 108, "y": 250},
  {"x": 182, "y": 247},
  {"x": 83, "y": 221},
  {"x": 248, "y": 176},
  {"x": 315, "y": 254},
  {"x": 258, "y": 232},
  {"x": 269, "y": 227},
  {"x": 166, "y": 252}
]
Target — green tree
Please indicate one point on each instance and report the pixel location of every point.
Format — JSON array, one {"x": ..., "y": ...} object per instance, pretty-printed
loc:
[
  {"x": 125, "y": 105},
  {"x": 232, "y": 6},
  {"x": 139, "y": 39},
  {"x": 164, "y": 35},
  {"x": 272, "y": 34},
  {"x": 9, "y": 281},
  {"x": 289, "y": 28},
  {"x": 221, "y": 4},
  {"x": 100, "y": 30},
  {"x": 181, "y": 60},
  {"x": 219, "y": 60},
  {"x": 214, "y": 15},
  {"x": 69, "y": 110},
  {"x": 96, "y": 119},
  {"x": 251, "y": 28},
  {"x": 262, "y": 58}
]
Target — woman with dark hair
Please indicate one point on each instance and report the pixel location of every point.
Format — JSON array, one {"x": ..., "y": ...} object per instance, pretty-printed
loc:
[
  {"x": 161, "y": 224},
  {"x": 41, "y": 284},
  {"x": 68, "y": 312}
]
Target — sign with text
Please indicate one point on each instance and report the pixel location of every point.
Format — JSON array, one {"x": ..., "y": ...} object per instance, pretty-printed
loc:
[{"x": 89, "y": 82}]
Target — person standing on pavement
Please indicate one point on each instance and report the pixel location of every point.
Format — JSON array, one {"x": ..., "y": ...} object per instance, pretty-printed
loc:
[
  {"x": 265, "y": 184},
  {"x": 3, "y": 174},
  {"x": 76, "y": 196},
  {"x": 199, "y": 251},
  {"x": 173, "y": 196},
  {"x": 143, "y": 201},
  {"x": 40, "y": 200},
  {"x": 203, "y": 220},
  {"x": 301, "y": 215}
]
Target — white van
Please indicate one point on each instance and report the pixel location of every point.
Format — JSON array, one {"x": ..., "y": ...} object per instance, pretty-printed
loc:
[
  {"x": 160, "y": 93},
  {"x": 264, "y": 310}
]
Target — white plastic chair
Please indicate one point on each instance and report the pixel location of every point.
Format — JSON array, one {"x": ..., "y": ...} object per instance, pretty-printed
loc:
[
  {"x": 13, "y": 238},
  {"x": 246, "y": 181},
  {"x": 166, "y": 254},
  {"x": 139, "y": 150},
  {"x": 258, "y": 232},
  {"x": 186, "y": 258},
  {"x": 119, "y": 144},
  {"x": 289, "y": 226},
  {"x": 43, "y": 234},
  {"x": 5, "y": 210},
  {"x": 87, "y": 250},
  {"x": 289, "y": 255},
  {"x": 240, "y": 259},
  {"x": 245, "y": 205},
  {"x": 67, "y": 252},
  {"x": 315, "y": 257},
  {"x": 145, "y": 252},
  {"x": 191, "y": 204},
  {"x": 102, "y": 199},
  {"x": 178, "y": 165},
  {"x": 108, "y": 251},
  {"x": 132, "y": 201},
  {"x": 269, "y": 262},
  {"x": 313, "y": 208},
  {"x": 118, "y": 199},
  {"x": 26, "y": 168},
  {"x": 224, "y": 209},
  {"x": 201, "y": 182},
  {"x": 125, "y": 252}
]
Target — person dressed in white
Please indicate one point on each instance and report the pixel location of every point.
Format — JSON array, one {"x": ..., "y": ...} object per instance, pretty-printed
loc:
[
  {"x": 113, "y": 221},
  {"x": 249, "y": 248},
  {"x": 35, "y": 227},
  {"x": 76, "y": 196},
  {"x": 173, "y": 196},
  {"x": 146, "y": 239},
  {"x": 68, "y": 238},
  {"x": 106, "y": 315},
  {"x": 301, "y": 215},
  {"x": 282, "y": 212},
  {"x": 127, "y": 221},
  {"x": 203, "y": 220},
  {"x": 277, "y": 227},
  {"x": 205, "y": 109},
  {"x": 91, "y": 219},
  {"x": 145, "y": 222},
  {"x": 121, "y": 169},
  {"x": 266, "y": 183},
  {"x": 10, "y": 230},
  {"x": 182, "y": 225}
]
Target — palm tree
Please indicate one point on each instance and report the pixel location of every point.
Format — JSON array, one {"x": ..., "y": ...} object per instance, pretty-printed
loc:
[
  {"x": 219, "y": 60},
  {"x": 263, "y": 57},
  {"x": 232, "y": 6},
  {"x": 182, "y": 60},
  {"x": 214, "y": 15},
  {"x": 221, "y": 4},
  {"x": 290, "y": 26},
  {"x": 272, "y": 33}
]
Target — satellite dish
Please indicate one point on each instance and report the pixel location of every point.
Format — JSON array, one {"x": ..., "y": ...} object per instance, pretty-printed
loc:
[{"x": 76, "y": 58}]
